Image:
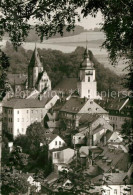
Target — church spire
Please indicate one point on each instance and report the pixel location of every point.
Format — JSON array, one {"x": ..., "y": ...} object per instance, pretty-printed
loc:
[
  {"x": 35, "y": 59},
  {"x": 86, "y": 63}
]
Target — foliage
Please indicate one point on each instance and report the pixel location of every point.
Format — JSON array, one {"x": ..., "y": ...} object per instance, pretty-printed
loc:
[
  {"x": 127, "y": 134},
  {"x": 18, "y": 159},
  {"x": 54, "y": 16},
  {"x": 38, "y": 155},
  {"x": 13, "y": 182},
  {"x": 4, "y": 64},
  {"x": 35, "y": 132}
]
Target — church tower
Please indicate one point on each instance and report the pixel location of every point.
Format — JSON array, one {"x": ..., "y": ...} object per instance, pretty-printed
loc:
[
  {"x": 35, "y": 67},
  {"x": 87, "y": 85},
  {"x": 37, "y": 77}
]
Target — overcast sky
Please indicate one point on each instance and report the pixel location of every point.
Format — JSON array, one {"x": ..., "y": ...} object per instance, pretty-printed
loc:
[{"x": 90, "y": 22}]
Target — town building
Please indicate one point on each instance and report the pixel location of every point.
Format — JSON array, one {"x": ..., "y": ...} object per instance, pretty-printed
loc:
[
  {"x": 18, "y": 114},
  {"x": 64, "y": 156},
  {"x": 87, "y": 85},
  {"x": 54, "y": 141},
  {"x": 75, "y": 107},
  {"x": 91, "y": 128},
  {"x": 119, "y": 109},
  {"x": 22, "y": 85},
  {"x": 37, "y": 76}
]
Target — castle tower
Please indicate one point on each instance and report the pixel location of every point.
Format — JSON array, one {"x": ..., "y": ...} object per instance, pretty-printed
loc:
[
  {"x": 87, "y": 85},
  {"x": 35, "y": 67}
]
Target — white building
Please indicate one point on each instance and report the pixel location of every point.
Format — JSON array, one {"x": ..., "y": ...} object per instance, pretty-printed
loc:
[
  {"x": 18, "y": 114},
  {"x": 55, "y": 141},
  {"x": 87, "y": 85},
  {"x": 64, "y": 156}
]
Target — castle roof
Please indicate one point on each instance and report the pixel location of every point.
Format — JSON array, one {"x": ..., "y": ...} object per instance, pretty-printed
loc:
[{"x": 35, "y": 59}]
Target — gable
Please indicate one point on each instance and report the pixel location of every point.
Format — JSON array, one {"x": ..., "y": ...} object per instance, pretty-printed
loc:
[
  {"x": 57, "y": 138},
  {"x": 93, "y": 108}
]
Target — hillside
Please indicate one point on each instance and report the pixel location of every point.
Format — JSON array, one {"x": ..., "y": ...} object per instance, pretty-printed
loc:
[
  {"x": 59, "y": 65},
  {"x": 33, "y": 37}
]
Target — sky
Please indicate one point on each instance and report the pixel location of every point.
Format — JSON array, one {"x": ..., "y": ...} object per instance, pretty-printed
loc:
[
  {"x": 88, "y": 22},
  {"x": 91, "y": 22}
]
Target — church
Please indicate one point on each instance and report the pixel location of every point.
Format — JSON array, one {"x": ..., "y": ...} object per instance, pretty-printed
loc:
[
  {"x": 85, "y": 85},
  {"x": 37, "y": 79}
]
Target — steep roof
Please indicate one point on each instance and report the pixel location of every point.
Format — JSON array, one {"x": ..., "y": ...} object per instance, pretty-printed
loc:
[
  {"x": 25, "y": 103},
  {"x": 35, "y": 59},
  {"x": 50, "y": 137},
  {"x": 74, "y": 104}
]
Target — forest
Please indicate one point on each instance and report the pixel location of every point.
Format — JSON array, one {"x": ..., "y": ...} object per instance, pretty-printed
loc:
[{"x": 59, "y": 65}]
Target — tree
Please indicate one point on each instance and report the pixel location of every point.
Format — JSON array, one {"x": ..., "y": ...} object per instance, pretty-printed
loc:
[
  {"x": 36, "y": 133},
  {"x": 54, "y": 16},
  {"x": 127, "y": 134},
  {"x": 18, "y": 159},
  {"x": 13, "y": 182}
]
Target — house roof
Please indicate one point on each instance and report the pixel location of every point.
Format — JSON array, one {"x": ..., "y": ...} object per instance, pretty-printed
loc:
[
  {"x": 53, "y": 124},
  {"x": 18, "y": 103},
  {"x": 118, "y": 159},
  {"x": 66, "y": 85},
  {"x": 50, "y": 137},
  {"x": 74, "y": 105},
  {"x": 115, "y": 137},
  {"x": 111, "y": 178},
  {"x": 58, "y": 105},
  {"x": 111, "y": 104},
  {"x": 88, "y": 118}
]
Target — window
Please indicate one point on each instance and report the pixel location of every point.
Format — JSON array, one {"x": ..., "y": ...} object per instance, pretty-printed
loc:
[
  {"x": 11, "y": 119},
  {"x": 18, "y": 112},
  {"x": 88, "y": 79},
  {"x": 22, "y": 129},
  {"x": 27, "y": 111},
  {"x": 18, "y": 120},
  {"x": 59, "y": 142},
  {"x": 115, "y": 191},
  {"x": 55, "y": 155},
  {"x": 56, "y": 143},
  {"x": 32, "y": 111},
  {"x": 17, "y": 131}
]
